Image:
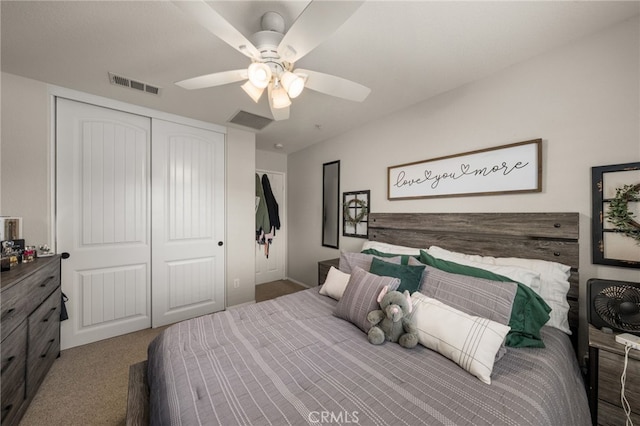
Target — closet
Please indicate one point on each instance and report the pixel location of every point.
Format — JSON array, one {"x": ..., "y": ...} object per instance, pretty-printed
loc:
[
  {"x": 140, "y": 210},
  {"x": 270, "y": 261}
]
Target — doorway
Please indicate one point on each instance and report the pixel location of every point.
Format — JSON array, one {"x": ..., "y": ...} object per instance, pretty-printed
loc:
[{"x": 270, "y": 261}]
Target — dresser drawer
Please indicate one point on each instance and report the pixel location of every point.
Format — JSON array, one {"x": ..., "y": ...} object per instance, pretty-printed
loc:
[
  {"x": 42, "y": 283},
  {"x": 14, "y": 303},
  {"x": 612, "y": 415},
  {"x": 14, "y": 355},
  {"x": 44, "y": 340},
  {"x": 611, "y": 366}
]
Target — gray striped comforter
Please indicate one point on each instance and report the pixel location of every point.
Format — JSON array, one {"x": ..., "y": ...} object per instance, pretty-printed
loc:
[{"x": 289, "y": 361}]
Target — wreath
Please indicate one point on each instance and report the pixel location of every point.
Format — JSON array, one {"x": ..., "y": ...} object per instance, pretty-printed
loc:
[
  {"x": 356, "y": 204},
  {"x": 619, "y": 214}
]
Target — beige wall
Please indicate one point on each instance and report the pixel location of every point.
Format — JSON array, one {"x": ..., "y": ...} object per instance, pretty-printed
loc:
[
  {"x": 27, "y": 179},
  {"x": 271, "y": 161},
  {"x": 582, "y": 100},
  {"x": 26, "y": 161},
  {"x": 241, "y": 216}
]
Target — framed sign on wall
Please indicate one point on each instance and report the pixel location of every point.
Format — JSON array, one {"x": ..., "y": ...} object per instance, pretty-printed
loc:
[
  {"x": 504, "y": 169},
  {"x": 615, "y": 220}
]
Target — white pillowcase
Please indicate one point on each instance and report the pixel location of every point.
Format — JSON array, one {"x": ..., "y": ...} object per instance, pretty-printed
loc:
[
  {"x": 335, "y": 283},
  {"x": 525, "y": 276},
  {"x": 553, "y": 283},
  {"x": 470, "y": 341},
  {"x": 390, "y": 248}
]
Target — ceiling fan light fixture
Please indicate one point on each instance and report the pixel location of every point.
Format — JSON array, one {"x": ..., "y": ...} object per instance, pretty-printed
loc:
[
  {"x": 279, "y": 98},
  {"x": 292, "y": 83},
  {"x": 259, "y": 74},
  {"x": 251, "y": 90}
]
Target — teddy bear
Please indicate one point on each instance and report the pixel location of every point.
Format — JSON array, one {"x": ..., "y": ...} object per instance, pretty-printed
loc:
[{"x": 391, "y": 322}]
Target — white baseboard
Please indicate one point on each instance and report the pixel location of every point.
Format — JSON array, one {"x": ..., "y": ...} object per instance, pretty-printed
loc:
[{"x": 299, "y": 282}]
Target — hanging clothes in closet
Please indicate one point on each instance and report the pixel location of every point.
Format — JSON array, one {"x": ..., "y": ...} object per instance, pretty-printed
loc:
[{"x": 267, "y": 213}]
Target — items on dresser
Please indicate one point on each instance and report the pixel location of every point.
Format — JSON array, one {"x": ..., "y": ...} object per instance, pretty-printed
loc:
[
  {"x": 10, "y": 228},
  {"x": 607, "y": 363},
  {"x": 30, "y": 327}
]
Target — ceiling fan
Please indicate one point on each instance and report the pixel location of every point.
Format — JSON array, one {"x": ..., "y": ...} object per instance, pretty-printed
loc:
[{"x": 274, "y": 52}]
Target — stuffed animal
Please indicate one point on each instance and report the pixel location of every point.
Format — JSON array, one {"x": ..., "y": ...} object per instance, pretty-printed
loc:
[{"x": 391, "y": 321}]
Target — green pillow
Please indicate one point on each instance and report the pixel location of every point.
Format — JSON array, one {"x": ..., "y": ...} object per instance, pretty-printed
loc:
[
  {"x": 405, "y": 257},
  {"x": 528, "y": 314},
  {"x": 410, "y": 276}
]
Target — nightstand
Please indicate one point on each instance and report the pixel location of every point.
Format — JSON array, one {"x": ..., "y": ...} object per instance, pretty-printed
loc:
[
  {"x": 606, "y": 362},
  {"x": 323, "y": 269}
]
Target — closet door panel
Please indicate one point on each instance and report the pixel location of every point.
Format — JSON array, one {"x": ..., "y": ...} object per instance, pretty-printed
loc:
[
  {"x": 102, "y": 220},
  {"x": 188, "y": 222}
]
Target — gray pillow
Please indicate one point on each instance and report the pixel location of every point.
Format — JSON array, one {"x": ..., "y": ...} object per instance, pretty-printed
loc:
[
  {"x": 474, "y": 296},
  {"x": 350, "y": 260},
  {"x": 361, "y": 297}
]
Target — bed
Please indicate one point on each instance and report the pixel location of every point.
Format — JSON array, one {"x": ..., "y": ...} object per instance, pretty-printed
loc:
[{"x": 291, "y": 360}]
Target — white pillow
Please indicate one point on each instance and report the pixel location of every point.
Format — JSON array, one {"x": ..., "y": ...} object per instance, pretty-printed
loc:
[
  {"x": 522, "y": 275},
  {"x": 335, "y": 283},
  {"x": 469, "y": 341},
  {"x": 390, "y": 248},
  {"x": 553, "y": 286}
]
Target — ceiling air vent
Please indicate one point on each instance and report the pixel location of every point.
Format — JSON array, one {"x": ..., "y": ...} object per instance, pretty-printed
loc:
[
  {"x": 133, "y": 84},
  {"x": 247, "y": 119}
]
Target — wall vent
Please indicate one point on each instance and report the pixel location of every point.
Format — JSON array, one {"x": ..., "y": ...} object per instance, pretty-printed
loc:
[
  {"x": 247, "y": 119},
  {"x": 133, "y": 84}
]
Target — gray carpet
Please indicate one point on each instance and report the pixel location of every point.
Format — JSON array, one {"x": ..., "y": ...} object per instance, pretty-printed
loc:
[{"x": 87, "y": 385}]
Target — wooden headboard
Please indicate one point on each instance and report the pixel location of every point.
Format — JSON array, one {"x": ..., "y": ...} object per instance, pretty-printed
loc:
[{"x": 545, "y": 236}]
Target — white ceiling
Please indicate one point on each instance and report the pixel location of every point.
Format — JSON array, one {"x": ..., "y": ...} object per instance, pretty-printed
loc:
[{"x": 405, "y": 52}]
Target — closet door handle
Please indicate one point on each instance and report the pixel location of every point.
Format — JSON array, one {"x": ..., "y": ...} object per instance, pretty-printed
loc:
[{"x": 220, "y": 243}]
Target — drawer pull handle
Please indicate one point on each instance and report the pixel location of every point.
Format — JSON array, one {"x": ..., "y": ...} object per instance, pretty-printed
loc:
[
  {"x": 7, "y": 313},
  {"x": 8, "y": 363},
  {"x": 6, "y": 410},
  {"x": 51, "y": 311},
  {"x": 46, "y": 351},
  {"x": 44, "y": 283}
]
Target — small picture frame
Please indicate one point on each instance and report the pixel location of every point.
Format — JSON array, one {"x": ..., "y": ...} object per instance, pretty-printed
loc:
[
  {"x": 616, "y": 215},
  {"x": 355, "y": 214}
]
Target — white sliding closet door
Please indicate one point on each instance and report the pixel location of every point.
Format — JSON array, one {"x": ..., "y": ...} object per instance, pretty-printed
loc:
[
  {"x": 102, "y": 220},
  {"x": 188, "y": 222}
]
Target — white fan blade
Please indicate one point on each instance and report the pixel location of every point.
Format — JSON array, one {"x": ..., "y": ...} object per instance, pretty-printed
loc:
[
  {"x": 215, "y": 79},
  {"x": 279, "y": 114},
  {"x": 315, "y": 24},
  {"x": 334, "y": 86},
  {"x": 218, "y": 26}
]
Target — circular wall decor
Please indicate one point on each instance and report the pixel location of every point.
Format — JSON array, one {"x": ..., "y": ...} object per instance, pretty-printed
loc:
[
  {"x": 358, "y": 204},
  {"x": 619, "y": 214}
]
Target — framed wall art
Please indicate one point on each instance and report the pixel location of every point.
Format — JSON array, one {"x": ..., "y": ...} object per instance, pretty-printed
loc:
[
  {"x": 616, "y": 215},
  {"x": 355, "y": 214},
  {"x": 504, "y": 169}
]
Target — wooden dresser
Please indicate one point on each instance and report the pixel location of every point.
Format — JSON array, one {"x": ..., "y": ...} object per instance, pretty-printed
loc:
[
  {"x": 606, "y": 359},
  {"x": 30, "y": 326}
]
